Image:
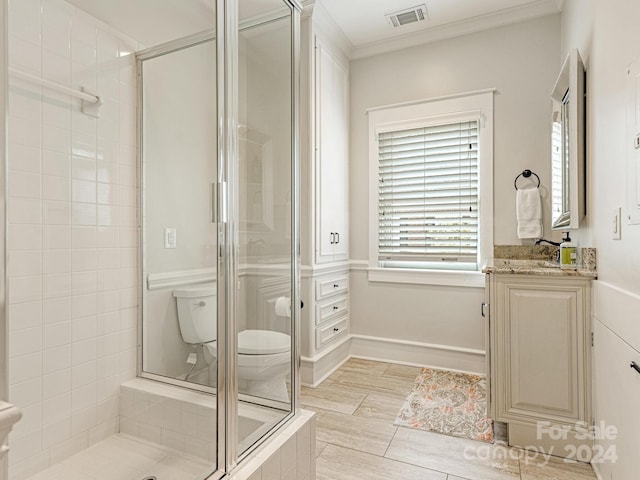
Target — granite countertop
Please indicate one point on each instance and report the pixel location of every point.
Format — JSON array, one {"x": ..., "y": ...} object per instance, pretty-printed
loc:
[
  {"x": 534, "y": 267},
  {"x": 539, "y": 260}
]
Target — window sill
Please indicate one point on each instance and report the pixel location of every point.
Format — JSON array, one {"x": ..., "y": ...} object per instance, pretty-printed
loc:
[{"x": 450, "y": 278}]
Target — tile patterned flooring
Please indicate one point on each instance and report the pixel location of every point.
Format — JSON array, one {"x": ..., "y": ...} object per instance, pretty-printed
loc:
[{"x": 356, "y": 438}]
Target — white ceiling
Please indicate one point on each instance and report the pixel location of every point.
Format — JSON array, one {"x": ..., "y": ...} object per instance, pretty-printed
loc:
[
  {"x": 361, "y": 24},
  {"x": 367, "y": 31}
]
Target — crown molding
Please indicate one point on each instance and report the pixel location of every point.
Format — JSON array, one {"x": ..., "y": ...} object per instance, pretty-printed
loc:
[
  {"x": 327, "y": 26},
  {"x": 536, "y": 9}
]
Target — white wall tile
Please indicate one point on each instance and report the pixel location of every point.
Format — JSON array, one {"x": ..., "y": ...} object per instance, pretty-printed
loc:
[
  {"x": 56, "y": 213},
  {"x": 25, "y": 315},
  {"x": 57, "y": 359},
  {"x": 56, "y": 261},
  {"x": 107, "y": 237},
  {"x": 84, "y": 260},
  {"x": 24, "y": 184},
  {"x": 56, "y": 41},
  {"x": 84, "y": 237},
  {"x": 25, "y": 289},
  {"x": 25, "y": 56},
  {"x": 56, "y": 384},
  {"x": 84, "y": 305},
  {"x": 63, "y": 164},
  {"x": 84, "y": 282},
  {"x": 56, "y": 163},
  {"x": 25, "y": 341},
  {"x": 83, "y": 398},
  {"x": 108, "y": 279},
  {"x": 56, "y": 433},
  {"x": 56, "y": 286},
  {"x": 25, "y": 263},
  {"x": 57, "y": 335},
  {"x": 25, "y": 210},
  {"x": 26, "y": 393},
  {"x": 85, "y": 351},
  {"x": 56, "y": 137},
  {"x": 84, "y": 328},
  {"x": 56, "y": 112},
  {"x": 25, "y": 237},
  {"x": 24, "y": 158},
  {"x": 83, "y": 191},
  {"x": 84, "y": 374},
  {"x": 108, "y": 215},
  {"x": 30, "y": 422},
  {"x": 57, "y": 409},
  {"x": 57, "y": 310},
  {"x": 84, "y": 214},
  {"x": 56, "y": 188},
  {"x": 56, "y": 236}
]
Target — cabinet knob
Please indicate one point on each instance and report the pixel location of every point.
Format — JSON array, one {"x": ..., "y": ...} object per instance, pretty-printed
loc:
[
  {"x": 335, "y": 308},
  {"x": 336, "y": 329},
  {"x": 335, "y": 285}
]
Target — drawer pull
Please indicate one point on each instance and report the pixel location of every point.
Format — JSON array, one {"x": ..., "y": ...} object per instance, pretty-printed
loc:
[
  {"x": 635, "y": 366},
  {"x": 335, "y": 285},
  {"x": 336, "y": 329},
  {"x": 335, "y": 308}
]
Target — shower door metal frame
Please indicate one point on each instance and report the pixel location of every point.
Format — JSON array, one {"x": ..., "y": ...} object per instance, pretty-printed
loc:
[{"x": 227, "y": 214}]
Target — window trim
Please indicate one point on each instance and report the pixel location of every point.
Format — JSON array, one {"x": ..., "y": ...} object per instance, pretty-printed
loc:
[{"x": 478, "y": 105}]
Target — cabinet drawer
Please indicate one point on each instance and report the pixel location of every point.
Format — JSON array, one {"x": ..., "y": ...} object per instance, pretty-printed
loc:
[
  {"x": 325, "y": 334},
  {"x": 333, "y": 308},
  {"x": 326, "y": 288}
]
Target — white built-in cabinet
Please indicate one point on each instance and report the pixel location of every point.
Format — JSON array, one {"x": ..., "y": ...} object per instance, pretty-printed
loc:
[
  {"x": 331, "y": 98},
  {"x": 325, "y": 198},
  {"x": 540, "y": 370},
  {"x": 618, "y": 394}
]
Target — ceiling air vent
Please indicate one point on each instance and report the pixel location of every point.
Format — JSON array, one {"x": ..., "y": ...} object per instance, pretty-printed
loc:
[{"x": 408, "y": 15}]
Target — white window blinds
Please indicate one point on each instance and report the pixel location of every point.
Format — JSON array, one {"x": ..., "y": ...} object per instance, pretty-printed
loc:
[{"x": 428, "y": 196}]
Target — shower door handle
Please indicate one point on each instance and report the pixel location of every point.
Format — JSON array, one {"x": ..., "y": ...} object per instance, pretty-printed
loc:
[{"x": 214, "y": 198}]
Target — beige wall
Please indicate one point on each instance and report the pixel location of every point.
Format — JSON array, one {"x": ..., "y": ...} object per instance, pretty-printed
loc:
[
  {"x": 609, "y": 40},
  {"x": 521, "y": 62}
]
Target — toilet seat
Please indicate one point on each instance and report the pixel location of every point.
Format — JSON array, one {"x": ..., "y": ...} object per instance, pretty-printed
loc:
[
  {"x": 263, "y": 342},
  {"x": 259, "y": 343}
]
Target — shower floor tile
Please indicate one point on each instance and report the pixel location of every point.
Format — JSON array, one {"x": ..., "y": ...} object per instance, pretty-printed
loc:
[{"x": 121, "y": 457}]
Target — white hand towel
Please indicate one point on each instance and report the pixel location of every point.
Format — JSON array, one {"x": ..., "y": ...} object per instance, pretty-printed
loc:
[{"x": 529, "y": 213}]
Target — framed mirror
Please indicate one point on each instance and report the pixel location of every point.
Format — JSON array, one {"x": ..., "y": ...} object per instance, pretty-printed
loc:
[{"x": 568, "y": 199}]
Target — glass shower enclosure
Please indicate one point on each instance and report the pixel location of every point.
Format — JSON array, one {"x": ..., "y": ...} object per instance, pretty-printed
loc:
[{"x": 219, "y": 230}]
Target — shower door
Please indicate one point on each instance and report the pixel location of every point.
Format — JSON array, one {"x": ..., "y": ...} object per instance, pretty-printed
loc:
[{"x": 219, "y": 223}]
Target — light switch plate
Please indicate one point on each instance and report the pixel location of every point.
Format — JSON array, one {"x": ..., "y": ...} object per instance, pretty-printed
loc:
[
  {"x": 616, "y": 224},
  {"x": 170, "y": 240}
]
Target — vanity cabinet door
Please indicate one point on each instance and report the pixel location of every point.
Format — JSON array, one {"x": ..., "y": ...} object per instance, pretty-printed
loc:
[{"x": 542, "y": 349}]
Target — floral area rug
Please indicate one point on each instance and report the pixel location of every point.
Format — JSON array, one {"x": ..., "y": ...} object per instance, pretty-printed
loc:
[{"x": 447, "y": 402}]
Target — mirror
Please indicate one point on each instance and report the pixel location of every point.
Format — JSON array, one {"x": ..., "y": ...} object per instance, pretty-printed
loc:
[{"x": 568, "y": 200}]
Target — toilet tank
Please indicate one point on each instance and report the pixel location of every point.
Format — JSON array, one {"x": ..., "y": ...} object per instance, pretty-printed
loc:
[{"x": 197, "y": 313}]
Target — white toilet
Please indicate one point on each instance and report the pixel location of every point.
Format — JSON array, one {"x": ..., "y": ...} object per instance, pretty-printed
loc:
[{"x": 264, "y": 356}]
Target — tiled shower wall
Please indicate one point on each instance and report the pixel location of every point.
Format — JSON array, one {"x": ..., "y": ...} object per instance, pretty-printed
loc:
[{"x": 72, "y": 234}]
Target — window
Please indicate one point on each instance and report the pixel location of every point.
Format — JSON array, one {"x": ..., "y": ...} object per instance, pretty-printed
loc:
[{"x": 430, "y": 186}]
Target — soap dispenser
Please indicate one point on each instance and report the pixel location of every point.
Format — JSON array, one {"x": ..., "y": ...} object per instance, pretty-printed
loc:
[{"x": 568, "y": 257}]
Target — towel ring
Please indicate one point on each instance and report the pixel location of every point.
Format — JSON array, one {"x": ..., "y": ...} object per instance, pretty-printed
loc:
[{"x": 526, "y": 174}]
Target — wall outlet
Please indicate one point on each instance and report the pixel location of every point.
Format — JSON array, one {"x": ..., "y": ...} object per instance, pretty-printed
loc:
[
  {"x": 616, "y": 224},
  {"x": 170, "y": 240}
]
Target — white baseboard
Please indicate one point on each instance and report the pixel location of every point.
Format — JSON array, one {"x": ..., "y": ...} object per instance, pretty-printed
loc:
[
  {"x": 314, "y": 371},
  {"x": 415, "y": 353}
]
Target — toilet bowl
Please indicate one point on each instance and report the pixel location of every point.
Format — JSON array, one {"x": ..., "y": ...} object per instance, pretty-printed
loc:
[{"x": 264, "y": 356}]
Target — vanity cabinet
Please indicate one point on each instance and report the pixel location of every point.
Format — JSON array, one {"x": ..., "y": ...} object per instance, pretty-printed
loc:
[
  {"x": 539, "y": 359},
  {"x": 331, "y": 154}
]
